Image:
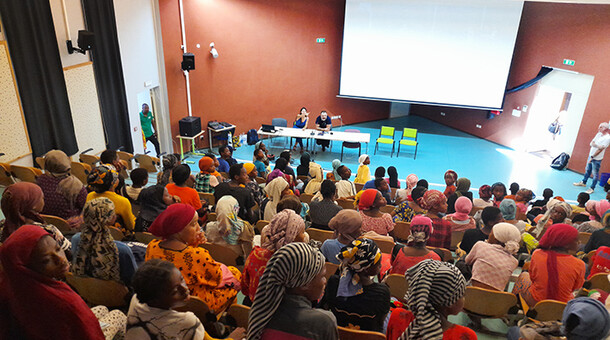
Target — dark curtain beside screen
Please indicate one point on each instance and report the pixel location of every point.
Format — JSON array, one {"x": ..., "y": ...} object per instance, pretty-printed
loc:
[
  {"x": 107, "y": 67},
  {"x": 30, "y": 35}
]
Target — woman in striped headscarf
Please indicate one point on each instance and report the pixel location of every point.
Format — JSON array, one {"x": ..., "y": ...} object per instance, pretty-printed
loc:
[
  {"x": 294, "y": 276},
  {"x": 436, "y": 290}
]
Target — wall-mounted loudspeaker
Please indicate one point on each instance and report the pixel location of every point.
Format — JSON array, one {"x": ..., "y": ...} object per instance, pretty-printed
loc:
[
  {"x": 85, "y": 40},
  {"x": 188, "y": 61}
]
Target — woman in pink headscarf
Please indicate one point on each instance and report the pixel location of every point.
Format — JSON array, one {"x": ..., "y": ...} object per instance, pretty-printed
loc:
[
  {"x": 403, "y": 194},
  {"x": 435, "y": 203},
  {"x": 596, "y": 210},
  {"x": 460, "y": 220}
]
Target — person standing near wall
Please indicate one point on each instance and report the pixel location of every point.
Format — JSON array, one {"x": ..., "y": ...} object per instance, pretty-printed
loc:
[
  {"x": 147, "y": 120},
  {"x": 598, "y": 146}
]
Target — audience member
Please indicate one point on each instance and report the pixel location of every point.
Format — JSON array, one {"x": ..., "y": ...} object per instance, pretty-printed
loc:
[
  {"x": 498, "y": 190},
  {"x": 393, "y": 178},
  {"x": 336, "y": 164},
  {"x": 514, "y": 188},
  {"x": 382, "y": 186},
  {"x": 291, "y": 202},
  {"x": 169, "y": 163},
  {"x": 352, "y": 295},
  {"x": 522, "y": 199},
  {"x": 379, "y": 173},
  {"x": 287, "y": 169},
  {"x": 303, "y": 168},
  {"x": 153, "y": 200},
  {"x": 415, "y": 250},
  {"x": 285, "y": 227},
  {"x": 405, "y": 211},
  {"x": 181, "y": 187},
  {"x": 345, "y": 188},
  {"x": 294, "y": 277},
  {"x": 267, "y": 156},
  {"x": 226, "y": 159},
  {"x": 484, "y": 199},
  {"x": 139, "y": 179},
  {"x": 96, "y": 253},
  {"x": 422, "y": 183},
  {"x": 582, "y": 199},
  {"x": 111, "y": 158},
  {"x": 300, "y": 123},
  {"x": 363, "y": 174},
  {"x": 205, "y": 181},
  {"x": 235, "y": 187},
  {"x": 557, "y": 212},
  {"x": 462, "y": 189},
  {"x": 460, "y": 219},
  {"x": 259, "y": 155},
  {"x": 64, "y": 194},
  {"x": 103, "y": 181},
  {"x": 216, "y": 165},
  {"x": 213, "y": 282},
  {"x": 599, "y": 262},
  {"x": 317, "y": 176},
  {"x": 372, "y": 218},
  {"x": 509, "y": 213},
  {"x": 274, "y": 190},
  {"x": 493, "y": 262},
  {"x": 347, "y": 225},
  {"x": 490, "y": 217},
  {"x": 436, "y": 205},
  {"x": 403, "y": 194},
  {"x": 228, "y": 229},
  {"x": 321, "y": 211},
  {"x": 323, "y": 124},
  {"x": 281, "y": 164},
  {"x": 547, "y": 194},
  {"x": 596, "y": 210},
  {"x": 450, "y": 179},
  {"x": 600, "y": 237},
  {"x": 255, "y": 189}
]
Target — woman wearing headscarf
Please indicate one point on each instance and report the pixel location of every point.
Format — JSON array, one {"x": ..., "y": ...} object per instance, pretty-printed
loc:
[
  {"x": 303, "y": 167},
  {"x": 450, "y": 179},
  {"x": 21, "y": 204},
  {"x": 285, "y": 227},
  {"x": 205, "y": 181},
  {"x": 252, "y": 185},
  {"x": 317, "y": 176},
  {"x": 596, "y": 210},
  {"x": 103, "y": 180},
  {"x": 405, "y": 211},
  {"x": 353, "y": 297},
  {"x": 228, "y": 229},
  {"x": 213, "y": 282},
  {"x": 435, "y": 203},
  {"x": 64, "y": 194},
  {"x": 336, "y": 164},
  {"x": 34, "y": 303},
  {"x": 522, "y": 199},
  {"x": 543, "y": 280},
  {"x": 462, "y": 189},
  {"x": 274, "y": 191},
  {"x": 347, "y": 226},
  {"x": 557, "y": 212},
  {"x": 403, "y": 194},
  {"x": 294, "y": 277},
  {"x": 600, "y": 237},
  {"x": 509, "y": 212},
  {"x": 96, "y": 253},
  {"x": 493, "y": 262},
  {"x": 436, "y": 290},
  {"x": 372, "y": 218},
  {"x": 498, "y": 190},
  {"x": 461, "y": 220},
  {"x": 484, "y": 199},
  {"x": 153, "y": 201},
  {"x": 363, "y": 174},
  {"x": 169, "y": 163},
  {"x": 415, "y": 250}
]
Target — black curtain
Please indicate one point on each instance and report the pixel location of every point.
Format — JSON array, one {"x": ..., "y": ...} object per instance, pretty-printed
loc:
[
  {"x": 30, "y": 35},
  {"x": 106, "y": 56},
  {"x": 541, "y": 74}
]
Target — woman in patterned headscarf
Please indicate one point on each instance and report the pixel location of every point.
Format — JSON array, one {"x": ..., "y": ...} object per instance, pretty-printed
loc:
[
  {"x": 353, "y": 296},
  {"x": 436, "y": 290},
  {"x": 169, "y": 163},
  {"x": 228, "y": 229},
  {"x": 317, "y": 176},
  {"x": 415, "y": 251},
  {"x": 294, "y": 277},
  {"x": 485, "y": 197},
  {"x": 103, "y": 180},
  {"x": 436, "y": 204}
]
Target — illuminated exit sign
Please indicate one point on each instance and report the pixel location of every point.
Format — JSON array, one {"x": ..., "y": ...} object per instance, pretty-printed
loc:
[
  {"x": 321, "y": 40},
  {"x": 569, "y": 62}
]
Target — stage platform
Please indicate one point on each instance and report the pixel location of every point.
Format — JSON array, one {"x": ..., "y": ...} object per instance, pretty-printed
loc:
[{"x": 440, "y": 148}]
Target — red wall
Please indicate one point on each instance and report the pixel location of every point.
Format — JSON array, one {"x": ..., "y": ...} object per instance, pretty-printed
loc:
[
  {"x": 269, "y": 64},
  {"x": 549, "y": 33}
]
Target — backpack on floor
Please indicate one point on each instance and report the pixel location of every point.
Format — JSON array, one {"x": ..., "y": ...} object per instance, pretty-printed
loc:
[
  {"x": 252, "y": 137},
  {"x": 561, "y": 161}
]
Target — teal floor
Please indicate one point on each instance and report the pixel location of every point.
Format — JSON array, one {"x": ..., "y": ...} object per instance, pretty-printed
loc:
[{"x": 441, "y": 148}]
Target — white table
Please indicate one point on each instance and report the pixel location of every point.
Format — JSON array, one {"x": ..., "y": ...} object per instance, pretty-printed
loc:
[
  {"x": 212, "y": 131},
  {"x": 341, "y": 136}
]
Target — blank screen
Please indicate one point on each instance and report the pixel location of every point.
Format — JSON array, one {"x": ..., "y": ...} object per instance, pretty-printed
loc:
[{"x": 441, "y": 52}]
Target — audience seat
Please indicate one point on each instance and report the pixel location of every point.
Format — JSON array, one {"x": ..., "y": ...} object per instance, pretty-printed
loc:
[
  {"x": 600, "y": 281},
  {"x": 306, "y": 198},
  {"x": 447, "y": 255},
  {"x": 358, "y": 186},
  {"x": 60, "y": 224},
  {"x": 147, "y": 162},
  {"x": 99, "y": 292},
  {"x": 208, "y": 197},
  {"x": 409, "y": 138},
  {"x": 6, "y": 178},
  {"x": 196, "y": 306},
  {"x": 456, "y": 238},
  {"x": 212, "y": 217},
  {"x": 222, "y": 254},
  {"x": 80, "y": 171},
  {"x": 475, "y": 210},
  {"x": 402, "y": 230},
  {"x": 386, "y": 136},
  {"x": 239, "y": 313},
  {"x": 92, "y": 160},
  {"x": 319, "y": 234},
  {"x": 25, "y": 173},
  {"x": 331, "y": 269},
  {"x": 260, "y": 180},
  {"x": 385, "y": 246},
  {"x": 398, "y": 286},
  {"x": 346, "y": 204},
  {"x": 144, "y": 237},
  {"x": 487, "y": 303},
  {"x": 584, "y": 237},
  {"x": 545, "y": 310},
  {"x": 387, "y": 208},
  {"x": 116, "y": 233},
  {"x": 127, "y": 157},
  {"x": 260, "y": 225},
  {"x": 351, "y": 145},
  {"x": 355, "y": 334}
]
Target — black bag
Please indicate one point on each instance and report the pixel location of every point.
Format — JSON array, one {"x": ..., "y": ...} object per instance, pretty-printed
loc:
[
  {"x": 561, "y": 161},
  {"x": 252, "y": 137}
]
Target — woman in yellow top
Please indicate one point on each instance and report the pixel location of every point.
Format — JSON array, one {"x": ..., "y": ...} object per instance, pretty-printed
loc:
[
  {"x": 103, "y": 180},
  {"x": 364, "y": 173},
  {"x": 213, "y": 282}
]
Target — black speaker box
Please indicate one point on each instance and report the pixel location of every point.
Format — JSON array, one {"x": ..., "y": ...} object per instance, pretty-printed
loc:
[
  {"x": 85, "y": 40},
  {"x": 188, "y": 61},
  {"x": 190, "y": 126}
]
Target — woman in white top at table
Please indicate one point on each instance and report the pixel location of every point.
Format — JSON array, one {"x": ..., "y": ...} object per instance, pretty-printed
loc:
[{"x": 301, "y": 123}]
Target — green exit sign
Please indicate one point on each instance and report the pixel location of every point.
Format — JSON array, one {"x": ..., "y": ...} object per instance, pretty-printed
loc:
[
  {"x": 320, "y": 40},
  {"x": 569, "y": 62}
]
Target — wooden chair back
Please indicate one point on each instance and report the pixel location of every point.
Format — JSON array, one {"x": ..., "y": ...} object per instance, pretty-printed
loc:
[
  {"x": 488, "y": 303},
  {"x": 398, "y": 286},
  {"x": 208, "y": 197},
  {"x": 358, "y": 186},
  {"x": 260, "y": 225},
  {"x": 25, "y": 173},
  {"x": 331, "y": 269},
  {"x": 583, "y": 238},
  {"x": 240, "y": 314},
  {"x": 260, "y": 180},
  {"x": 346, "y": 204},
  {"x": 116, "y": 233},
  {"x": 475, "y": 210},
  {"x": 92, "y": 160},
  {"x": 59, "y": 223},
  {"x": 600, "y": 281},
  {"x": 99, "y": 292},
  {"x": 40, "y": 161},
  {"x": 221, "y": 253},
  {"x": 547, "y": 310},
  {"x": 385, "y": 246},
  {"x": 589, "y": 257},
  {"x": 144, "y": 237},
  {"x": 127, "y": 157},
  {"x": 212, "y": 217},
  {"x": 402, "y": 230},
  {"x": 80, "y": 171},
  {"x": 447, "y": 255},
  {"x": 6, "y": 178},
  {"x": 196, "y": 306},
  {"x": 355, "y": 334},
  {"x": 319, "y": 234},
  {"x": 306, "y": 198},
  {"x": 456, "y": 238},
  {"x": 147, "y": 162},
  {"x": 303, "y": 178},
  {"x": 225, "y": 175},
  {"x": 387, "y": 209}
]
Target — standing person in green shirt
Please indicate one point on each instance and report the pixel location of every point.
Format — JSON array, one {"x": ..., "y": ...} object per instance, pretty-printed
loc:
[{"x": 147, "y": 120}]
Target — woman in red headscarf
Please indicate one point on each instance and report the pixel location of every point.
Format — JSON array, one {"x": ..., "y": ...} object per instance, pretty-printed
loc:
[
  {"x": 213, "y": 282},
  {"x": 372, "y": 218},
  {"x": 205, "y": 181},
  {"x": 34, "y": 304},
  {"x": 553, "y": 257}
]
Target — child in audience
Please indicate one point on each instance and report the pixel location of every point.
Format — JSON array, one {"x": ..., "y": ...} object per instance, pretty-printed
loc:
[
  {"x": 460, "y": 220},
  {"x": 484, "y": 199},
  {"x": 216, "y": 165},
  {"x": 225, "y": 159},
  {"x": 352, "y": 295},
  {"x": 490, "y": 217},
  {"x": 450, "y": 179},
  {"x": 595, "y": 210},
  {"x": 205, "y": 181},
  {"x": 345, "y": 188},
  {"x": 405, "y": 211},
  {"x": 268, "y": 156},
  {"x": 139, "y": 179},
  {"x": 364, "y": 173},
  {"x": 159, "y": 288},
  {"x": 582, "y": 199},
  {"x": 287, "y": 169},
  {"x": 372, "y": 218},
  {"x": 182, "y": 178},
  {"x": 103, "y": 181},
  {"x": 436, "y": 204},
  {"x": 236, "y": 188},
  {"x": 347, "y": 225},
  {"x": 493, "y": 262},
  {"x": 498, "y": 190},
  {"x": 259, "y": 156},
  {"x": 415, "y": 250}
]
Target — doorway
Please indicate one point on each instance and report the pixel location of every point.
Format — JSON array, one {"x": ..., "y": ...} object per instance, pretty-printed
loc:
[{"x": 561, "y": 100}]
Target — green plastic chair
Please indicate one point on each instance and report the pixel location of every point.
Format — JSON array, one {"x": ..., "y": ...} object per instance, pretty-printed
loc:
[
  {"x": 409, "y": 138},
  {"x": 384, "y": 133}
]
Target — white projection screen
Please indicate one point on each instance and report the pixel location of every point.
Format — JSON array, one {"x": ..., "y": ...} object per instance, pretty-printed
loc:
[{"x": 440, "y": 52}]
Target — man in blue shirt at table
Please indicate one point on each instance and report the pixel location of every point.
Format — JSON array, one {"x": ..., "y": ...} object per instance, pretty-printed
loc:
[{"x": 323, "y": 123}]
